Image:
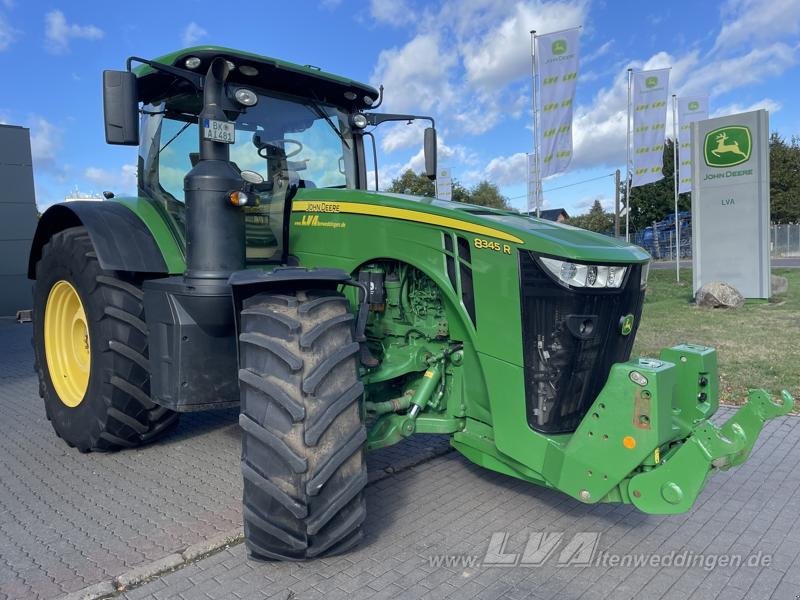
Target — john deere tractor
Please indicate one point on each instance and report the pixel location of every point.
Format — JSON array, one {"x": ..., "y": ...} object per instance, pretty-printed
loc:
[{"x": 257, "y": 268}]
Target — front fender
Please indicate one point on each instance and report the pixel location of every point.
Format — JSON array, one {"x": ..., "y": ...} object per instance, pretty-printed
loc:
[{"x": 123, "y": 237}]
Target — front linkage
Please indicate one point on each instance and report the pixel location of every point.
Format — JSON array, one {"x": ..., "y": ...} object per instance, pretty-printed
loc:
[{"x": 647, "y": 439}]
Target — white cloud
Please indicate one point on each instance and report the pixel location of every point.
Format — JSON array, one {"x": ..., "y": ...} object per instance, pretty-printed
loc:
[
  {"x": 58, "y": 32},
  {"x": 392, "y": 12},
  {"x": 45, "y": 143},
  {"x": 122, "y": 181},
  {"x": 401, "y": 135},
  {"x": 502, "y": 53},
  {"x": 746, "y": 21},
  {"x": 507, "y": 170},
  {"x": 7, "y": 34},
  {"x": 724, "y": 75},
  {"x": 769, "y": 104},
  {"x": 601, "y": 51},
  {"x": 416, "y": 76},
  {"x": 192, "y": 34}
]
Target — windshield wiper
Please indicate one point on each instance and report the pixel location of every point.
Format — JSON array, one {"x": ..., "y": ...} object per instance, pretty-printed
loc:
[{"x": 321, "y": 113}]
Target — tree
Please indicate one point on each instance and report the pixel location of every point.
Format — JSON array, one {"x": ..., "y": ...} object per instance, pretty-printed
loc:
[
  {"x": 484, "y": 193},
  {"x": 412, "y": 183},
  {"x": 595, "y": 220},
  {"x": 784, "y": 180},
  {"x": 487, "y": 194}
]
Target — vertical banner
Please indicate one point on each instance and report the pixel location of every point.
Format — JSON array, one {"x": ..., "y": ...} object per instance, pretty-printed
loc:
[
  {"x": 650, "y": 92},
  {"x": 557, "y": 57},
  {"x": 444, "y": 184},
  {"x": 690, "y": 109}
]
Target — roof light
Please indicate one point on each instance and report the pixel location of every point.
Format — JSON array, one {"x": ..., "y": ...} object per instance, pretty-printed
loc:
[
  {"x": 359, "y": 120},
  {"x": 245, "y": 97},
  {"x": 369, "y": 100},
  {"x": 248, "y": 70},
  {"x": 350, "y": 95},
  {"x": 192, "y": 62}
]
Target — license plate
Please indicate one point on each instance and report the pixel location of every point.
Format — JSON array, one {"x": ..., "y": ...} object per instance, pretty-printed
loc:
[{"x": 218, "y": 131}]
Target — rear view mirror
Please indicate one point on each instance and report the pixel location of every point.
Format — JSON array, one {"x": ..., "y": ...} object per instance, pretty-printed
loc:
[
  {"x": 121, "y": 108},
  {"x": 430, "y": 153}
]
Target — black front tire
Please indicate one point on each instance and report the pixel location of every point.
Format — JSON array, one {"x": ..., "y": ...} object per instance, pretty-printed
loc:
[
  {"x": 303, "y": 437},
  {"x": 116, "y": 410}
]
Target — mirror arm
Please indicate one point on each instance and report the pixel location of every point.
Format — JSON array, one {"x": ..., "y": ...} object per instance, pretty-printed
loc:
[
  {"x": 378, "y": 118},
  {"x": 194, "y": 78}
]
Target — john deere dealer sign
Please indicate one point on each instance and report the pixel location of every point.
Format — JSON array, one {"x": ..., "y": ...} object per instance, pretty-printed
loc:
[{"x": 730, "y": 202}]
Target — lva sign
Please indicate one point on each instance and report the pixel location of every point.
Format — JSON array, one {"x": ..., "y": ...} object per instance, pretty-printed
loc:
[{"x": 730, "y": 202}]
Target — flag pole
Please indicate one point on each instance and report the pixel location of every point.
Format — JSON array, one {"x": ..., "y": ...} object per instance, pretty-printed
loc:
[
  {"x": 675, "y": 187},
  {"x": 628, "y": 164},
  {"x": 536, "y": 168}
]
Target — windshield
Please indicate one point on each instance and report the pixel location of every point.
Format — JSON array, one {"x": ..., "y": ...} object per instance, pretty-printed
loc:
[{"x": 291, "y": 143}]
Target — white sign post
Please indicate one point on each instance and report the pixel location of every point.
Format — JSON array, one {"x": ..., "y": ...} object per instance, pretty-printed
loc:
[
  {"x": 444, "y": 184},
  {"x": 730, "y": 202}
]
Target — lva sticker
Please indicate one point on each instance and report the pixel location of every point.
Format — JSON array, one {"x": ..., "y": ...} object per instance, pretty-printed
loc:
[{"x": 728, "y": 146}]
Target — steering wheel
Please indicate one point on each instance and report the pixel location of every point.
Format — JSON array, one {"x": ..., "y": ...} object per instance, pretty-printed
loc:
[{"x": 281, "y": 145}]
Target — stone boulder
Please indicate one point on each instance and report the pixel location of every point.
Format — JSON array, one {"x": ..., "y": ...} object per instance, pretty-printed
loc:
[
  {"x": 780, "y": 285},
  {"x": 718, "y": 294}
]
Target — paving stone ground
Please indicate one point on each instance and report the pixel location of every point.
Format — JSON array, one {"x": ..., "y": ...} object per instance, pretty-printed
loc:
[
  {"x": 449, "y": 508},
  {"x": 69, "y": 520}
]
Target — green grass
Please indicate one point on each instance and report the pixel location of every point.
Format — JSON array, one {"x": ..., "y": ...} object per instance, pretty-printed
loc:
[{"x": 758, "y": 345}]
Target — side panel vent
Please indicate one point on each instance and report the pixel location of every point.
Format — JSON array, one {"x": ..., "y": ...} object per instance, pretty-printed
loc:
[{"x": 458, "y": 263}]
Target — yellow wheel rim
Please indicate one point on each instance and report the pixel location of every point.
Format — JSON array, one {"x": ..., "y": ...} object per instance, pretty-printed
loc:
[{"x": 66, "y": 343}]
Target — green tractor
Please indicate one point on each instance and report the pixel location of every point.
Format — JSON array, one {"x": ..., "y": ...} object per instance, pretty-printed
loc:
[{"x": 256, "y": 268}]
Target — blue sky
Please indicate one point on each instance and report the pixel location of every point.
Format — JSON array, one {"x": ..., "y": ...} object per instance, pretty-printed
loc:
[{"x": 465, "y": 62}]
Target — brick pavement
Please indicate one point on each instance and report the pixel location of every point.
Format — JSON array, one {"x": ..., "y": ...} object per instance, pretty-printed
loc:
[
  {"x": 69, "y": 520},
  {"x": 448, "y": 506}
]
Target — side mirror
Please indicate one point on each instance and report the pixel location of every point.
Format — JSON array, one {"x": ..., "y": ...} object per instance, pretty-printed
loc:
[
  {"x": 430, "y": 152},
  {"x": 121, "y": 108}
]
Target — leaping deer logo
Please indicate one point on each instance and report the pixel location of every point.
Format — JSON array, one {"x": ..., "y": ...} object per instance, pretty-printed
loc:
[{"x": 722, "y": 146}]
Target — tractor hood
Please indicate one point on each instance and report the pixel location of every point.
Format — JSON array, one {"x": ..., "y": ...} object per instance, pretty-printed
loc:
[{"x": 530, "y": 233}]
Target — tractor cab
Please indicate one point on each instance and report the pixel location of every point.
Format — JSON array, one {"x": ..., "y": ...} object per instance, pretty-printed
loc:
[{"x": 286, "y": 128}]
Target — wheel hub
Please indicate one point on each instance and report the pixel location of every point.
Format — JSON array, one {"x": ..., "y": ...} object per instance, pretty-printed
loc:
[{"x": 67, "y": 343}]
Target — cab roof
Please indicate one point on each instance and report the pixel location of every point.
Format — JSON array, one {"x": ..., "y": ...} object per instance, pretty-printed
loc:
[{"x": 266, "y": 73}]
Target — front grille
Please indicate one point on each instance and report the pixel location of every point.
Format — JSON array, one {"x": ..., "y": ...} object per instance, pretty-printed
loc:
[{"x": 570, "y": 339}]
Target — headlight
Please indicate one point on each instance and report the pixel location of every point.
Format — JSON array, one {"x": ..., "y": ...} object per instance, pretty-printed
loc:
[
  {"x": 645, "y": 273},
  {"x": 586, "y": 276}
]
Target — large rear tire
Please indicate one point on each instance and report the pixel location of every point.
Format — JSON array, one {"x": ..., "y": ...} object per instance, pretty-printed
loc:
[
  {"x": 303, "y": 437},
  {"x": 90, "y": 345}
]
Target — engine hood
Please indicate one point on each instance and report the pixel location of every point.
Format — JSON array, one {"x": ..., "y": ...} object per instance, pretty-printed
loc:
[{"x": 530, "y": 233}]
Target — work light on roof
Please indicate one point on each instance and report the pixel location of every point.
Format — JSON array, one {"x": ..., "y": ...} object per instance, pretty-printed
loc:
[
  {"x": 245, "y": 97},
  {"x": 192, "y": 62}
]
